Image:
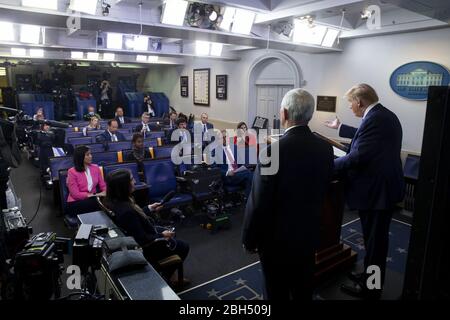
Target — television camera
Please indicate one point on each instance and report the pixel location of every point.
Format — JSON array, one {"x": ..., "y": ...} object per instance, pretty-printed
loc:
[{"x": 30, "y": 267}]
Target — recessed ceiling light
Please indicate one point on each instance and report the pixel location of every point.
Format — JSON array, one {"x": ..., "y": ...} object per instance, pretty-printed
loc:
[
  {"x": 141, "y": 58},
  {"x": 153, "y": 59},
  {"x": 93, "y": 55},
  {"x": 174, "y": 12},
  {"x": 42, "y": 4},
  {"x": 37, "y": 53},
  {"x": 30, "y": 34},
  {"x": 109, "y": 56},
  {"x": 77, "y": 55},
  {"x": 18, "y": 52},
  {"x": 6, "y": 31}
]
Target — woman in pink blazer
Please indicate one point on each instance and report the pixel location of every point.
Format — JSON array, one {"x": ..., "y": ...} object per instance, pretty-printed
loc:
[{"x": 84, "y": 182}]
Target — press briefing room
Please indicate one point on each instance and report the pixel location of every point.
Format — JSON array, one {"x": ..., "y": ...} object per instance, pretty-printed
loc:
[{"x": 201, "y": 151}]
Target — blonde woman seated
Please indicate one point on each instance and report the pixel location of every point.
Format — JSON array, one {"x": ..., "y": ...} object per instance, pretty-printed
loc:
[{"x": 94, "y": 124}]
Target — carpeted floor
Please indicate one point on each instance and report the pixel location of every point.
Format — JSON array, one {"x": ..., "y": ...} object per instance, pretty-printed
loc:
[{"x": 246, "y": 283}]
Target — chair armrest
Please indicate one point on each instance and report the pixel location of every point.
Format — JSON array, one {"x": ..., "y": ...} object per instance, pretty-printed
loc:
[{"x": 181, "y": 179}]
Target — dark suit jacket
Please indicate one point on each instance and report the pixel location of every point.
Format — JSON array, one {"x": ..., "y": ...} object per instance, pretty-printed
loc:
[
  {"x": 106, "y": 137},
  {"x": 138, "y": 128},
  {"x": 283, "y": 210},
  {"x": 145, "y": 109},
  {"x": 373, "y": 169},
  {"x": 125, "y": 119}
]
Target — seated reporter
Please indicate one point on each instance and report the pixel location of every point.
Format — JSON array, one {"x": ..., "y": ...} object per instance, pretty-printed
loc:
[
  {"x": 144, "y": 127},
  {"x": 157, "y": 242},
  {"x": 91, "y": 113},
  {"x": 121, "y": 119},
  {"x": 243, "y": 136},
  {"x": 111, "y": 134},
  {"x": 84, "y": 182},
  {"x": 232, "y": 173},
  {"x": 94, "y": 124},
  {"x": 138, "y": 153}
]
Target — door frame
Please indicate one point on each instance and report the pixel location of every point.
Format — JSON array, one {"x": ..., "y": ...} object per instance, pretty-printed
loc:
[
  {"x": 278, "y": 99},
  {"x": 254, "y": 69}
]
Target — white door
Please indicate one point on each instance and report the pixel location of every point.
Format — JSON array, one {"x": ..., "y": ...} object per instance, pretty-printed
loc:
[{"x": 269, "y": 100}]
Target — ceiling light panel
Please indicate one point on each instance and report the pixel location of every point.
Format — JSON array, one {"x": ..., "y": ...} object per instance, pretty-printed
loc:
[
  {"x": 216, "y": 49},
  {"x": 30, "y": 34},
  {"x": 109, "y": 56},
  {"x": 330, "y": 37},
  {"x": 243, "y": 21},
  {"x": 42, "y": 4},
  {"x": 85, "y": 6},
  {"x": 37, "y": 53},
  {"x": 114, "y": 40},
  {"x": 93, "y": 55},
  {"x": 18, "y": 52},
  {"x": 77, "y": 55},
  {"x": 174, "y": 12},
  {"x": 6, "y": 31},
  {"x": 202, "y": 48}
]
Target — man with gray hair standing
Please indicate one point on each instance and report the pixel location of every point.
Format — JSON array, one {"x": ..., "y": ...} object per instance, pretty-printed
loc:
[
  {"x": 373, "y": 175},
  {"x": 282, "y": 215}
]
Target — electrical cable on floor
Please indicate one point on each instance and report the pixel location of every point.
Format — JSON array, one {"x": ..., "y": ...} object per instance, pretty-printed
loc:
[{"x": 39, "y": 204}]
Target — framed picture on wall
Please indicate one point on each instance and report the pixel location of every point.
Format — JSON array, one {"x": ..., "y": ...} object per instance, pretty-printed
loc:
[
  {"x": 184, "y": 86},
  {"x": 221, "y": 87},
  {"x": 201, "y": 86}
]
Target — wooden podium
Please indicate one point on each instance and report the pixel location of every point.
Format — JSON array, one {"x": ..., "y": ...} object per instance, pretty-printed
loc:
[{"x": 332, "y": 255}]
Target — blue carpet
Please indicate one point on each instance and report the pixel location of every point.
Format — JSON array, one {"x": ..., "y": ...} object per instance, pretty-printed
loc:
[
  {"x": 246, "y": 283},
  {"x": 399, "y": 232}
]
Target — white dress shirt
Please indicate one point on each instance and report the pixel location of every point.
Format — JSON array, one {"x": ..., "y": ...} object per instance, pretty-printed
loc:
[
  {"x": 145, "y": 127},
  {"x": 369, "y": 108},
  {"x": 230, "y": 159},
  {"x": 183, "y": 136},
  {"x": 150, "y": 110},
  {"x": 364, "y": 115},
  {"x": 89, "y": 179},
  {"x": 113, "y": 137}
]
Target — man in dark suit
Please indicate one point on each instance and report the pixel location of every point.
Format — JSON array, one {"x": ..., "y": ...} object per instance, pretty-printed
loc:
[
  {"x": 183, "y": 136},
  {"x": 172, "y": 120},
  {"x": 144, "y": 126},
  {"x": 203, "y": 127},
  {"x": 110, "y": 134},
  {"x": 373, "y": 174},
  {"x": 283, "y": 210},
  {"x": 120, "y": 118},
  {"x": 147, "y": 106}
]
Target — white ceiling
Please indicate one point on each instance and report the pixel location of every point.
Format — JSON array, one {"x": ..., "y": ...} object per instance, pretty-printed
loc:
[{"x": 396, "y": 16}]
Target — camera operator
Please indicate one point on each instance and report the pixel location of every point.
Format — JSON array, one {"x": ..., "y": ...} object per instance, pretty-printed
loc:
[
  {"x": 9, "y": 156},
  {"x": 105, "y": 98}
]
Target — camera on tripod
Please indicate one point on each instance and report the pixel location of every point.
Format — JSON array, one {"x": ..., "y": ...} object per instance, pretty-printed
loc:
[{"x": 32, "y": 266}]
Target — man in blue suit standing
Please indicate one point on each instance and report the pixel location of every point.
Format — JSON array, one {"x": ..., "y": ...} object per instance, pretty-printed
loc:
[{"x": 373, "y": 175}]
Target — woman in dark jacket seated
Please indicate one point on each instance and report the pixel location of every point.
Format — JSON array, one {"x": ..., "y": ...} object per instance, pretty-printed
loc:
[
  {"x": 138, "y": 153},
  {"x": 138, "y": 222}
]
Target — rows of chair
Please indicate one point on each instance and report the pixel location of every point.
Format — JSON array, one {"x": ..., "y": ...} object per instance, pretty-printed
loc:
[
  {"x": 117, "y": 153},
  {"x": 77, "y": 138},
  {"x": 160, "y": 174}
]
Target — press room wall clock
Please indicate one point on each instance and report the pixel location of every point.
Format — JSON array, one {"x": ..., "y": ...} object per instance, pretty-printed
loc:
[{"x": 412, "y": 80}]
